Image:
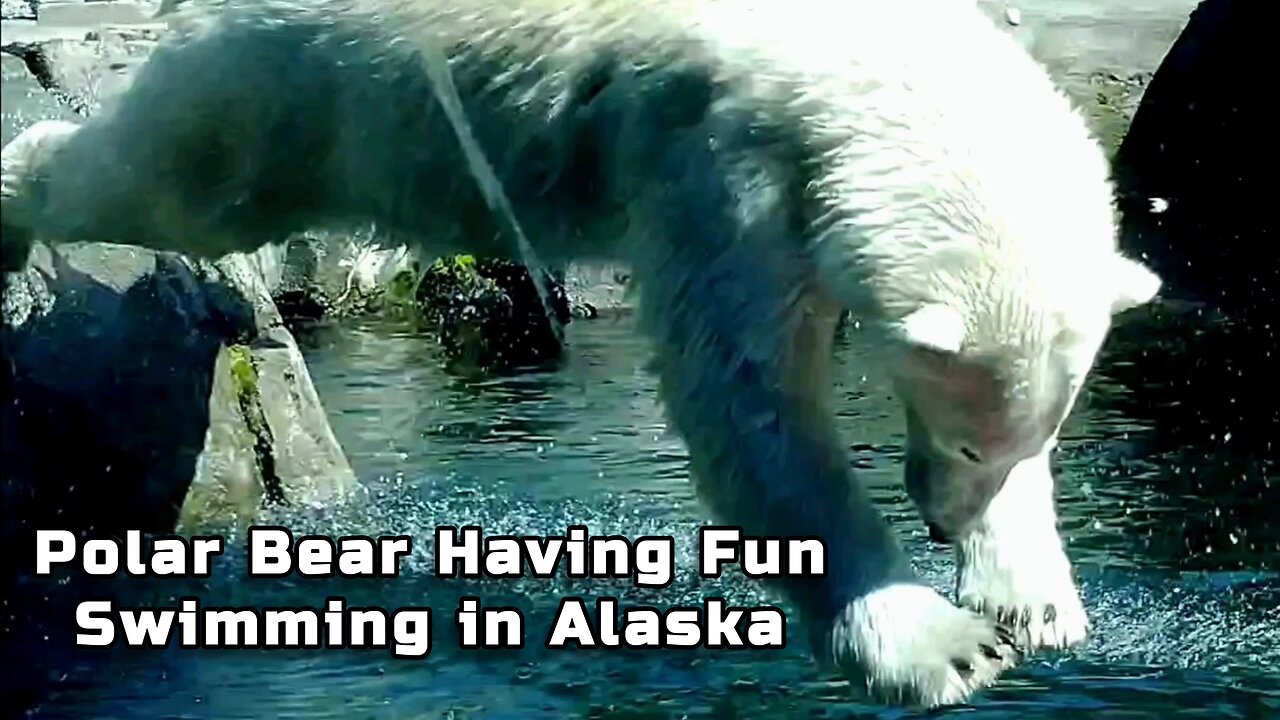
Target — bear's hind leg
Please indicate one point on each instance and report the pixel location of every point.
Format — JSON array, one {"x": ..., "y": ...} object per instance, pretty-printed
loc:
[
  {"x": 1013, "y": 566},
  {"x": 743, "y": 341}
]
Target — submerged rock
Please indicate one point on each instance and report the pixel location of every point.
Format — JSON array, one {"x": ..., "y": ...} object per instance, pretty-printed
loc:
[
  {"x": 321, "y": 275},
  {"x": 488, "y": 315}
]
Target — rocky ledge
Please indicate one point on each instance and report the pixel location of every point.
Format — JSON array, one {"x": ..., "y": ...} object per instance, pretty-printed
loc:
[{"x": 165, "y": 389}]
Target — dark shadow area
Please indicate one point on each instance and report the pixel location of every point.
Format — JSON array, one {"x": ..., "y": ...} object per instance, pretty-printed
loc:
[
  {"x": 1189, "y": 469},
  {"x": 104, "y": 414},
  {"x": 1196, "y": 370},
  {"x": 1193, "y": 171}
]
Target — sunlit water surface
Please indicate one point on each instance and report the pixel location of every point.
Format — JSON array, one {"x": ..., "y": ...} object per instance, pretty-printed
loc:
[{"x": 1174, "y": 534}]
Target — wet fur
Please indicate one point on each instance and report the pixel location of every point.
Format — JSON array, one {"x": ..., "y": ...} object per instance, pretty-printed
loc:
[{"x": 759, "y": 165}]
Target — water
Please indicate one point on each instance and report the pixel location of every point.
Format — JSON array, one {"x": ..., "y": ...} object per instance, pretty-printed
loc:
[{"x": 1181, "y": 583}]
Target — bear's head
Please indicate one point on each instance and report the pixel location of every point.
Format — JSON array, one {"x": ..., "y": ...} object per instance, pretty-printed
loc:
[{"x": 987, "y": 385}]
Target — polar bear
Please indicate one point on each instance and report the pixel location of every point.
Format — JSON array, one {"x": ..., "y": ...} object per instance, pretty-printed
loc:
[{"x": 762, "y": 166}]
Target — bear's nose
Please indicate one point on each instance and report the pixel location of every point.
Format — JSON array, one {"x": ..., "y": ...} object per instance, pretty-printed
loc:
[{"x": 935, "y": 534}]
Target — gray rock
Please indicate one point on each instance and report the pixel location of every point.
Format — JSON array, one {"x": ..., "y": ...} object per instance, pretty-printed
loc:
[
  {"x": 96, "y": 65},
  {"x": 1077, "y": 38},
  {"x": 164, "y": 389},
  {"x": 308, "y": 461},
  {"x": 24, "y": 101},
  {"x": 601, "y": 287},
  {"x": 1099, "y": 52},
  {"x": 17, "y": 10}
]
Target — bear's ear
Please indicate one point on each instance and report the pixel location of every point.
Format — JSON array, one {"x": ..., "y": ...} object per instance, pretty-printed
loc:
[
  {"x": 1134, "y": 284},
  {"x": 935, "y": 327}
]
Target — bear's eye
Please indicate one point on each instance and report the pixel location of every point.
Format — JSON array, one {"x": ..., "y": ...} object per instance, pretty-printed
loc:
[{"x": 970, "y": 455}]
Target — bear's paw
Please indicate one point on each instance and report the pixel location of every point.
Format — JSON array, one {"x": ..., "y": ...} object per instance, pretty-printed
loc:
[
  {"x": 1027, "y": 587},
  {"x": 907, "y": 644}
]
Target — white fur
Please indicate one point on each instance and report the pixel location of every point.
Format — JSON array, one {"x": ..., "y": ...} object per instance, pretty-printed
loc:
[
  {"x": 959, "y": 174},
  {"x": 935, "y": 326},
  {"x": 966, "y": 211},
  {"x": 1013, "y": 566},
  {"x": 1135, "y": 283},
  {"x": 942, "y": 173},
  {"x": 908, "y": 636}
]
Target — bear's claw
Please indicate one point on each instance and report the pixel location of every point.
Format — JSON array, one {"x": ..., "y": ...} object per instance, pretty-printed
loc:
[{"x": 1037, "y": 623}]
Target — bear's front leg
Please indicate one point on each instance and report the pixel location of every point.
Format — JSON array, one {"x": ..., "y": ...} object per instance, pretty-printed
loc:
[
  {"x": 743, "y": 339},
  {"x": 1013, "y": 567}
]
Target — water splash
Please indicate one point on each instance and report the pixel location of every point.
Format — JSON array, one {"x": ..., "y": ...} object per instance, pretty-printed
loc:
[{"x": 1216, "y": 622}]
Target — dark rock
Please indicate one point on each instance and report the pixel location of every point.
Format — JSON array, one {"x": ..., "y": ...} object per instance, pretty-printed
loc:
[
  {"x": 1193, "y": 169},
  {"x": 140, "y": 391},
  {"x": 1193, "y": 182},
  {"x": 145, "y": 391},
  {"x": 488, "y": 315},
  {"x": 299, "y": 308},
  {"x": 106, "y": 405}
]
